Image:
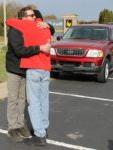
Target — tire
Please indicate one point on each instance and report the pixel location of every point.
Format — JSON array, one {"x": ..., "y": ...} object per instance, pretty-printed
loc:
[
  {"x": 55, "y": 74},
  {"x": 104, "y": 74}
]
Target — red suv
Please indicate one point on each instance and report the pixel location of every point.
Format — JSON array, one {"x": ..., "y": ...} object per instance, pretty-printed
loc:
[{"x": 84, "y": 49}]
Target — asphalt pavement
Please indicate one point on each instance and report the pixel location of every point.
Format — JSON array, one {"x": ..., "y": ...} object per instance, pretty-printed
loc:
[{"x": 81, "y": 116}]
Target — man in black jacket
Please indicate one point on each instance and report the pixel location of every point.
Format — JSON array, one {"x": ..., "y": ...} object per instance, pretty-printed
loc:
[{"x": 16, "y": 81}]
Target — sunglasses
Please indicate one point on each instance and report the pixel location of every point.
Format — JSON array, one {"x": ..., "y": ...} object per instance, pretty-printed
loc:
[{"x": 32, "y": 15}]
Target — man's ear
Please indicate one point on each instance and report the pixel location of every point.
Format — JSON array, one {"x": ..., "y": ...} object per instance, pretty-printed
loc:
[{"x": 20, "y": 14}]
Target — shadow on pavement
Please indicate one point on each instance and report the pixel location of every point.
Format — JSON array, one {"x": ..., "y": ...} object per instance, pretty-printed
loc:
[
  {"x": 110, "y": 144},
  {"x": 75, "y": 77}
]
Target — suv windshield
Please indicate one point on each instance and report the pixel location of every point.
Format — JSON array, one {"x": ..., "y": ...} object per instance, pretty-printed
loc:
[{"x": 87, "y": 32}]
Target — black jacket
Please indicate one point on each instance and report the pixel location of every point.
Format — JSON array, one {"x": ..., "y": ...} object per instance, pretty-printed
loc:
[
  {"x": 17, "y": 50},
  {"x": 39, "y": 15}
]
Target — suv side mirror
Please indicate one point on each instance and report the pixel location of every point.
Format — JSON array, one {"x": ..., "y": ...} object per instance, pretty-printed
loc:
[{"x": 59, "y": 38}]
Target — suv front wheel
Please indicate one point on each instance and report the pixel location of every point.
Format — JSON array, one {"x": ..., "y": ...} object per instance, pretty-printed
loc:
[{"x": 103, "y": 75}]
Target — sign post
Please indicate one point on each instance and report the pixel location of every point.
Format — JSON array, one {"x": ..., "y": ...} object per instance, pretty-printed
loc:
[
  {"x": 4, "y": 17},
  {"x": 69, "y": 20}
]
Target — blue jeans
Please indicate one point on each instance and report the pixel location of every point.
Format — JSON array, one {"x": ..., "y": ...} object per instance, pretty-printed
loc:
[{"x": 38, "y": 99}]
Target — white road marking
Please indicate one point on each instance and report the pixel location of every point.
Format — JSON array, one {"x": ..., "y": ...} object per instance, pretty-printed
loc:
[
  {"x": 57, "y": 143},
  {"x": 81, "y": 96},
  {"x": 56, "y": 78},
  {"x": 110, "y": 78},
  {"x": 62, "y": 144},
  {"x": 3, "y": 131}
]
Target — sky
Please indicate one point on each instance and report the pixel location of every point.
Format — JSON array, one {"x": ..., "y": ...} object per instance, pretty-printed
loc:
[{"x": 85, "y": 9}]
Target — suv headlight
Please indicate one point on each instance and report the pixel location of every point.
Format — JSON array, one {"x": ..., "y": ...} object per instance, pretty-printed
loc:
[
  {"x": 52, "y": 51},
  {"x": 94, "y": 53}
]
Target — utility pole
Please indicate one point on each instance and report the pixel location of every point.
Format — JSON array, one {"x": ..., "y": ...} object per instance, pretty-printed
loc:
[{"x": 5, "y": 28}]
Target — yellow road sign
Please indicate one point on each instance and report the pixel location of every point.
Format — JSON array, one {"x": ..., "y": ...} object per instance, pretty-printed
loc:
[{"x": 68, "y": 23}]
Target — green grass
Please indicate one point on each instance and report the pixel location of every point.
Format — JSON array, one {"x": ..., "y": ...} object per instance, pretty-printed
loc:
[
  {"x": 1, "y": 39},
  {"x": 2, "y": 65}
]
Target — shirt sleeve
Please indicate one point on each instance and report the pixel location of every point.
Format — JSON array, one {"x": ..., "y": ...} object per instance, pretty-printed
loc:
[
  {"x": 16, "y": 23},
  {"x": 16, "y": 40}
]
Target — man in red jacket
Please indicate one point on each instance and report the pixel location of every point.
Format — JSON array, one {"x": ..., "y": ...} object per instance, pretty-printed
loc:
[{"x": 38, "y": 74}]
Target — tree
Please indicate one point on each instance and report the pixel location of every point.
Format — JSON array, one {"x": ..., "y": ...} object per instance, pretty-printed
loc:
[
  {"x": 50, "y": 17},
  {"x": 1, "y": 20},
  {"x": 12, "y": 8},
  {"x": 105, "y": 16}
]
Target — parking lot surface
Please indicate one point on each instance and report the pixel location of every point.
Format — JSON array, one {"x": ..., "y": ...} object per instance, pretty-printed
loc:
[{"x": 81, "y": 116}]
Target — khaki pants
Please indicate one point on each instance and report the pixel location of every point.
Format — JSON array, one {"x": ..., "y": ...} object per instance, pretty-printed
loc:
[{"x": 16, "y": 101}]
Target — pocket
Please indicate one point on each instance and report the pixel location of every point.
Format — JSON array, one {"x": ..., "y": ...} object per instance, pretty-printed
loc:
[
  {"x": 33, "y": 75},
  {"x": 46, "y": 76}
]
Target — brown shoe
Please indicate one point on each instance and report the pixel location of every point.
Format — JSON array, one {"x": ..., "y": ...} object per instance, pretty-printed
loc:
[
  {"x": 24, "y": 133},
  {"x": 36, "y": 141},
  {"x": 15, "y": 135}
]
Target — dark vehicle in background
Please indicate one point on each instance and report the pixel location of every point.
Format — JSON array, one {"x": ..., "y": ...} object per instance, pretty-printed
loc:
[{"x": 84, "y": 49}]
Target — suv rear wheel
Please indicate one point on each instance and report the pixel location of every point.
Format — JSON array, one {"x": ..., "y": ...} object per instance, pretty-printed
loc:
[
  {"x": 55, "y": 74},
  {"x": 103, "y": 75}
]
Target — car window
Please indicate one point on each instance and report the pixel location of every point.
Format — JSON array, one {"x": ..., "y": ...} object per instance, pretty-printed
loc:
[
  {"x": 112, "y": 34},
  {"x": 93, "y": 33},
  {"x": 99, "y": 34}
]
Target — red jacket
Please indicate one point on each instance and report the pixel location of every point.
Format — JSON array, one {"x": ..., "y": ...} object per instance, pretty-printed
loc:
[{"x": 33, "y": 35}]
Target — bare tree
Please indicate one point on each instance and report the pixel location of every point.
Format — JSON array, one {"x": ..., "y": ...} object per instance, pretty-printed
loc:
[{"x": 12, "y": 9}]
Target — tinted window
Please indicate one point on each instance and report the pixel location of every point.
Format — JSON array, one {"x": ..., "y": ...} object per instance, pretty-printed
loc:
[
  {"x": 94, "y": 33},
  {"x": 112, "y": 34}
]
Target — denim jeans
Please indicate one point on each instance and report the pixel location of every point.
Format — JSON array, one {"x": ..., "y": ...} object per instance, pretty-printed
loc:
[{"x": 37, "y": 86}]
